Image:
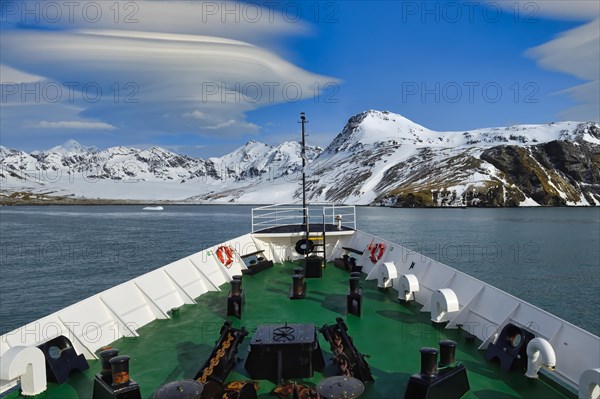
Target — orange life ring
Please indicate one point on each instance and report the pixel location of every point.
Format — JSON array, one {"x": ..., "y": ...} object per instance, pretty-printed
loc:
[
  {"x": 225, "y": 255},
  {"x": 370, "y": 247},
  {"x": 377, "y": 251}
]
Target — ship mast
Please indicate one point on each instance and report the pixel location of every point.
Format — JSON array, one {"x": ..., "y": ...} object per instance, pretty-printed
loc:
[{"x": 303, "y": 154}]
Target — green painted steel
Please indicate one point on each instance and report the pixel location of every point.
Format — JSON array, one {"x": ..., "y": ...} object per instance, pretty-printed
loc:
[{"x": 389, "y": 333}]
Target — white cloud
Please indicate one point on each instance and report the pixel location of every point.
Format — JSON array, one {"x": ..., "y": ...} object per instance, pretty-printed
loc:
[
  {"x": 180, "y": 68},
  {"x": 195, "y": 115},
  {"x": 586, "y": 96},
  {"x": 575, "y": 52},
  {"x": 74, "y": 125},
  {"x": 233, "y": 123},
  {"x": 10, "y": 75},
  {"x": 225, "y": 19},
  {"x": 577, "y": 10},
  {"x": 179, "y": 148}
]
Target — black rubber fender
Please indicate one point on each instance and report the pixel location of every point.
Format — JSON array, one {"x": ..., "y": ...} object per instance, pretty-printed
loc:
[{"x": 304, "y": 246}]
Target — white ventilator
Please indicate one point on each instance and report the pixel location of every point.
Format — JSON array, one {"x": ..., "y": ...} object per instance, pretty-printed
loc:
[
  {"x": 443, "y": 302},
  {"x": 589, "y": 384},
  {"x": 338, "y": 221},
  {"x": 387, "y": 272},
  {"x": 27, "y": 363},
  {"x": 539, "y": 353},
  {"x": 407, "y": 286}
]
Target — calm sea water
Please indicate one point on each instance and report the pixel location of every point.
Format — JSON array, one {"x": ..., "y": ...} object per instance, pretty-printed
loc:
[{"x": 53, "y": 256}]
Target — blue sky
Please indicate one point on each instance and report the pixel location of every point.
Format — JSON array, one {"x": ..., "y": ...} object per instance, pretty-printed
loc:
[{"x": 202, "y": 78}]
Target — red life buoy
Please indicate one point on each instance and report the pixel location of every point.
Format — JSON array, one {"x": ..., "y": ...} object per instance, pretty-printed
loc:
[
  {"x": 377, "y": 251},
  {"x": 370, "y": 247},
  {"x": 225, "y": 255}
]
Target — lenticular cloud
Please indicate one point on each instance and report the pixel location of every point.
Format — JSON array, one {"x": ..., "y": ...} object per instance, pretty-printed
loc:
[
  {"x": 575, "y": 52},
  {"x": 178, "y": 75}
]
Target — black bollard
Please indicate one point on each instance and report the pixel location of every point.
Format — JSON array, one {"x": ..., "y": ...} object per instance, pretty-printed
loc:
[
  {"x": 354, "y": 286},
  {"x": 450, "y": 381},
  {"x": 298, "y": 287},
  {"x": 235, "y": 299},
  {"x": 106, "y": 355},
  {"x": 354, "y": 297},
  {"x": 447, "y": 353},
  {"x": 120, "y": 370},
  {"x": 356, "y": 268},
  {"x": 236, "y": 287},
  {"x": 346, "y": 261},
  {"x": 429, "y": 361},
  {"x": 117, "y": 384}
]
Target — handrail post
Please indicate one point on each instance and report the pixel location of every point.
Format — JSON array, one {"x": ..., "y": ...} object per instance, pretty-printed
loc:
[
  {"x": 303, "y": 154},
  {"x": 333, "y": 214}
]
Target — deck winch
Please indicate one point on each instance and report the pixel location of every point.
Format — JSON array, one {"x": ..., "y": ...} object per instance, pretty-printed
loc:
[
  {"x": 444, "y": 379},
  {"x": 114, "y": 381},
  {"x": 285, "y": 351}
]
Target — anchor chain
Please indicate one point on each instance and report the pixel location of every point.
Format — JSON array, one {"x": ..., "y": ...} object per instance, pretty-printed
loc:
[
  {"x": 340, "y": 357},
  {"x": 216, "y": 359}
]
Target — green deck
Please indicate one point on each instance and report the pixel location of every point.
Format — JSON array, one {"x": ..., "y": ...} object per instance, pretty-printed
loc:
[{"x": 389, "y": 334}]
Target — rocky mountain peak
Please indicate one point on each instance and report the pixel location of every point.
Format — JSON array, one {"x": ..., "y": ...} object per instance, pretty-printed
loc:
[
  {"x": 373, "y": 127},
  {"x": 71, "y": 147},
  {"x": 589, "y": 129}
]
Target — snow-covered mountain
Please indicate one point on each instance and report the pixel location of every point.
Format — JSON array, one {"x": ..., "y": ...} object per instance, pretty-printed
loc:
[
  {"x": 255, "y": 159},
  {"x": 384, "y": 158},
  {"x": 378, "y": 158},
  {"x": 153, "y": 174}
]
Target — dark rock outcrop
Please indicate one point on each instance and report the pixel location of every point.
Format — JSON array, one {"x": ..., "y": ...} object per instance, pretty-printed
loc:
[{"x": 544, "y": 171}]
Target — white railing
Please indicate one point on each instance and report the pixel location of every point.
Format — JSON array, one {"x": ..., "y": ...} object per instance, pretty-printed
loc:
[
  {"x": 270, "y": 216},
  {"x": 347, "y": 213}
]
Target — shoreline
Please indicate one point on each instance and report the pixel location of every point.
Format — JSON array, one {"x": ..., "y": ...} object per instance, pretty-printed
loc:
[{"x": 65, "y": 201}]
